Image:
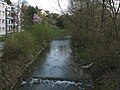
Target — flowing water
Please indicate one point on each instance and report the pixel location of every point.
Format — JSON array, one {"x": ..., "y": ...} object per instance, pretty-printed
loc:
[{"x": 55, "y": 69}]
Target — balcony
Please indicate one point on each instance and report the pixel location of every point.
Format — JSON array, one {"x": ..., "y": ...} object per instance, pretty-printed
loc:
[
  {"x": 10, "y": 24},
  {"x": 9, "y": 17}
]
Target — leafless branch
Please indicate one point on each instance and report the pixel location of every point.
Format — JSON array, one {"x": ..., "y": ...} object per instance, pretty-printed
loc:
[{"x": 69, "y": 17}]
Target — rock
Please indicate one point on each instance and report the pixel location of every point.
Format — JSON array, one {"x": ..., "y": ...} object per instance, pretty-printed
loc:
[
  {"x": 87, "y": 66},
  {"x": 35, "y": 68},
  {"x": 23, "y": 82},
  {"x": 37, "y": 82},
  {"x": 33, "y": 80}
]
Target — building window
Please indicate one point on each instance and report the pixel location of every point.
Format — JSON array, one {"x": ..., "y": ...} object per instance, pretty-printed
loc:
[
  {"x": 0, "y": 20},
  {"x": 8, "y": 7},
  {"x": 3, "y": 21},
  {"x": 9, "y": 28},
  {"x": 0, "y": 28},
  {"x": 7, "y": 21},
  {"x": 3, "y": 5},
  {"x": 3, "y": 28},
  {"x": 3, "y": 12}
]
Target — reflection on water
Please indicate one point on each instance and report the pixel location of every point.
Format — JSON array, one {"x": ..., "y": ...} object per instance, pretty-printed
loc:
[{"x": 56, "y": 63}]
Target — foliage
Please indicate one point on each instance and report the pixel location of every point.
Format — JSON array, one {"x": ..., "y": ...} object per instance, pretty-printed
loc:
[
  {"x": 19, "y": 46},
  {"x": 3, "y": 38},
  {"x": 28, "y": 13},
  {"x": 94, "y": 25},
  {"x": 109, "y": 82},
  {"x": 57, "y": 32},
  {"x": 8, "y": 2},
  {"x": 56, "y": 20},
  {"x": 41, "y": 33},
  {"x": 60, "y": 22}
]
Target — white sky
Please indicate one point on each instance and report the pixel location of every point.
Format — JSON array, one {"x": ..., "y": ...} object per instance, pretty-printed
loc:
[{"x": 51, "y": 5}]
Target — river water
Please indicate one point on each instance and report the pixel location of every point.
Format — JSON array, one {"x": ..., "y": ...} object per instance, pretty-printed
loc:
[{"x": 55, "y": 69}]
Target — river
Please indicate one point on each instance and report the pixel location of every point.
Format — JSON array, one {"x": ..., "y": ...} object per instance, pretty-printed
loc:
[{"x": 55, "y": 69}]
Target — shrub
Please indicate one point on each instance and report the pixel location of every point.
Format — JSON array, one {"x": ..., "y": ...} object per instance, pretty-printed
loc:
[
  {"x": 19, "y": 46},
  {"x": 41, "y": 33}
]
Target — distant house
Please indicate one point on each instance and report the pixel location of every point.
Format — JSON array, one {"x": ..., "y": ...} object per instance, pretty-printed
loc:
[
  {"x": 16, "y": 15},
  {"x": 43, "y": 12},
  {"x": 36, "y": 19}
]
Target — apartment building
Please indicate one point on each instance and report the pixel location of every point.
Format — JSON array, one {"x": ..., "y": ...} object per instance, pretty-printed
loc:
[
  {"x": 16, "y": 21},
  {"x": 9, "y": 18},
  {"x": 2, "y": 18}
]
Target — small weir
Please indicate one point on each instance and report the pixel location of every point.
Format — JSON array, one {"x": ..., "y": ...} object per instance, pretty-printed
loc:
[{"x": 54, "y": 84}]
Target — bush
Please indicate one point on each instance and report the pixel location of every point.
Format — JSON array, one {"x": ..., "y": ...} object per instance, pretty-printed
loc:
[
  {"x": 41, "y": 33},
  {"x": 19, "y": 46}
]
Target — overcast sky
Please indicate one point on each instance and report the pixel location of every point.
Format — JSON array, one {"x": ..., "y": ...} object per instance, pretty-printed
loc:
[{"x": 51, "y": 5}]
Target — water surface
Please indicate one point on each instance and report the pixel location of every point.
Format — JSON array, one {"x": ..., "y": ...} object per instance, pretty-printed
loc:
[{"x": 55, "y": 69}]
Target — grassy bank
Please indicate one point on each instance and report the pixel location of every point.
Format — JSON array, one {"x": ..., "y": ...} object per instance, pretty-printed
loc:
[
  {"x": 20, "y": 50},
  {"x": 57, "y": 32}
]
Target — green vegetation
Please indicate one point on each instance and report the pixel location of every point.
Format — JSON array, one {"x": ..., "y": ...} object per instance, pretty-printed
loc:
[
  {"x": 41, "y": 33},
  {"x": 57, "y": 32},
  {"x": 94, "y": 25},
  {"x": 3, "y": 38},
  {"x": 21, "y": 48},
  {"x": 18, "y": 51},
  {"x": 28, "y": 12}
]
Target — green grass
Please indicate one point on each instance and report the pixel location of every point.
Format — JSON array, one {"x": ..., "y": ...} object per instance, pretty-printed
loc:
[
  {"x": 18, "y": 46},
  {"x": 81, "y": 55},
  {"x": 57, "y": 32},
  {"x": 3, "y": 38}
]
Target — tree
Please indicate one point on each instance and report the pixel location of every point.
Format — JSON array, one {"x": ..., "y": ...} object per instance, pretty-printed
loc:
[
  {"x": 94, "y": 25},
  {"x": 28, "y": 13},
  {"x": 8, "y": 2},
  {"x": 36, "y": 8},
  {"x": 60, "y": 22}
]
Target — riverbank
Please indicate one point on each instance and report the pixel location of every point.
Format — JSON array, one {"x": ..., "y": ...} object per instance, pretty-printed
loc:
[
  {"x": 12, "y": 70},
  {"x": 20, "y": 51},
  {"x": 104, "y": 67},
  {"x": 42, "y": 49}
]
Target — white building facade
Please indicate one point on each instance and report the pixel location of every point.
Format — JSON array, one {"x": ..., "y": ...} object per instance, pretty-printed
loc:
[
  {"x": 9, "y": 18},
  {"x": 2, "y": 18}
]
